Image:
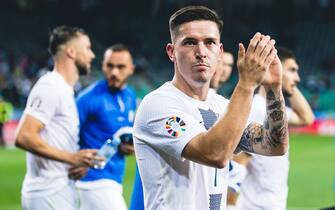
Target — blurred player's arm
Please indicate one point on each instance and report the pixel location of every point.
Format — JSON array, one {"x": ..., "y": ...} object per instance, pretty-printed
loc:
[
  {"x": 28, "y": 138},
  {"x": 302, "y": 112},
  {"x": 272, "y": 138},
  {"x": 77, "y": 172}
]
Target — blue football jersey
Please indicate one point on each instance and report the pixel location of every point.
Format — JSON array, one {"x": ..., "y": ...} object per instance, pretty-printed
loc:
[{"x": 102, "y": 114}]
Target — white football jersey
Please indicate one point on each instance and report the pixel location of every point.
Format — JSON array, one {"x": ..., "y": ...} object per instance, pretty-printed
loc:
[
  {"x": 51, "y": 101},
  {"x": 167, "y": 119},
  {"x": 265, "y": 186}
]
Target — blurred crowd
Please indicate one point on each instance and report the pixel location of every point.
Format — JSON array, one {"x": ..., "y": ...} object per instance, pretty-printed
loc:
[
  {"x": 306, "y": 28},
  {"x": 19, "y": 73}
]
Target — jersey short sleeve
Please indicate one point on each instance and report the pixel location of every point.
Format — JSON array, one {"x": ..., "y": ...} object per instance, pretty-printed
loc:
[
  {"x": 42, "y": 103},
  {"x": 165, "y": 124}
]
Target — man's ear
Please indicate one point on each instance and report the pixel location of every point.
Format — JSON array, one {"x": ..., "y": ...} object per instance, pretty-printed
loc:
[
  {"x": 70, "y": 51},
  {"x": 170, "y": 52}
]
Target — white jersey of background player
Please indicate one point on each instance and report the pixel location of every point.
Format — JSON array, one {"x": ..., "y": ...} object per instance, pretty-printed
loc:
[
  {"x": 48, "y": 129},
  {"x": 265, "y": 186},
  {"x": 181, "y": 151}
]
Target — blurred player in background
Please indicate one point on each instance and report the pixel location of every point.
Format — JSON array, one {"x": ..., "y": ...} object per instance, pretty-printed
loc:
[
  {"x": 223, "y": 71},
  {"x": 185, "y": 135},
  {"x": 49, "y": 127},
  {"x": 266, "y": 183},
  {"x": 106, "y": 110}
]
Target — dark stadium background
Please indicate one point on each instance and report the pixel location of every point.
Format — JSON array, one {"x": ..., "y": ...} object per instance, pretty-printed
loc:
[{"x": 305, "y": 26}]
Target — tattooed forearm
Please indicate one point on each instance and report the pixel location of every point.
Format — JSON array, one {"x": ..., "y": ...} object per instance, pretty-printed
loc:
[
  {"x": 264, "y": 139},
  {"x": 276, "y": 119},
  {"x": 252, "y": 134},
  {"x": 254, "y": 138}
]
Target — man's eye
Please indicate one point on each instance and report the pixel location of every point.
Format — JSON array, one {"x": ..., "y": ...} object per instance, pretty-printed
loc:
[
  {"x": 189, "y": 43},
  {"x": 121, "y": 66},
  {"x": 211, "y": 42}
]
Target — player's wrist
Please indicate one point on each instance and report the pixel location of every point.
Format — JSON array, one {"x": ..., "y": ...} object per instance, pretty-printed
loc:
[
  {"x": 69, "y": 158},
  {"x": 273, "y": 87},
  {"x": 246, "y": 86},
  {"x": 276, "y": 88}
]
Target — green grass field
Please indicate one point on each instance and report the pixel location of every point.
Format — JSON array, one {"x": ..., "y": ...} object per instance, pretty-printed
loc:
[{"x": 311, "y": 177}]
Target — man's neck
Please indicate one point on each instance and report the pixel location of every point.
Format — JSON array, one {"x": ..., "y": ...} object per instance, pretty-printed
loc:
[
  {"x": 68, "y": 71},
  {"x": 199, "y": 93}
]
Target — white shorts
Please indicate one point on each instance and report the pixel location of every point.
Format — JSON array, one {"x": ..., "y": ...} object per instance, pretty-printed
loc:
[
  {"x": 66, "y": 198},
  {"x": 104, "y": 198}
]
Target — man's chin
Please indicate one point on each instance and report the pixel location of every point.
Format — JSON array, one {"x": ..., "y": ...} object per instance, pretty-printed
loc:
[
  {"x": 203, "y": 79},
  {"x": 114, "y": 87}
]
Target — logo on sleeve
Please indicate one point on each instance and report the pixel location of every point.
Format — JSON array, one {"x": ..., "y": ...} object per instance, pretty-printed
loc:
[
  {"x": 36, "y": 102},
  {"x": 175, "y": 126}
]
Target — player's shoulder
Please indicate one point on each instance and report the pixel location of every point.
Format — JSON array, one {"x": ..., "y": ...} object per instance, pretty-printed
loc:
[
  {"x": 162, "y": 95},
  {"x": 92, "y": 90},
  {"x": 49, "y": 79},
  {"x": 130, "y": 91},
  {"x": 48, "y": 84}
]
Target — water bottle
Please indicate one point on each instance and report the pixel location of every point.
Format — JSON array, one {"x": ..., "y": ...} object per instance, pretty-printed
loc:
[{"x": 108, "y": 149}]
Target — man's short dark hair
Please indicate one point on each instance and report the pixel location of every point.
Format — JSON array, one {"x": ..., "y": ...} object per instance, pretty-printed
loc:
[
  {"x": 119, "y": 47},
  {"x": 193, "y": 13},
  {"x": 61, "y": 35},
  {"x": 284, "y": 54}
]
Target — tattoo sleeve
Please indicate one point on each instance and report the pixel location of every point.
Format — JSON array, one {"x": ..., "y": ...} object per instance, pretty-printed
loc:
[{"x": 265, "y": 138}]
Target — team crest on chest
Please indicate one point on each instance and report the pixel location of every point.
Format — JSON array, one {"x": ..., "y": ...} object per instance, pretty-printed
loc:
[{"x": 175, "y": 126}]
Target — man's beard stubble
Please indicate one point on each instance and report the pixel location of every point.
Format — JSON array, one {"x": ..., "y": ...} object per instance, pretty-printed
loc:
[
  {"x": 114, "y": 87},
  {"x": 82, "y": 69}
]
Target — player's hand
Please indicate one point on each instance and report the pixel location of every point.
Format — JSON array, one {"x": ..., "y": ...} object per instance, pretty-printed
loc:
[
  {"x": 254, "y": 62},
  {"x": 77, "y": 172},
  {"x": 273, "y": 77},
  {"x": 84, "y": 157},
  {"x": 126, "y": 149}
]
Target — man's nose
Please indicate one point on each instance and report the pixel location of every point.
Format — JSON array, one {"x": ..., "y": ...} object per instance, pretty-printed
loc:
[
  {"x": 201, "y": 51},
  {"x": 297, "y": 78},
  {"x": 114, "y": 70}
]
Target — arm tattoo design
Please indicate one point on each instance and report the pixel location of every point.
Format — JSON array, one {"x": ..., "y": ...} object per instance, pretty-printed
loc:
[
  {"x": 276, "y": 119},
  {"x": 253, "y": 133},
  {"x": 273, "y": 133}
]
